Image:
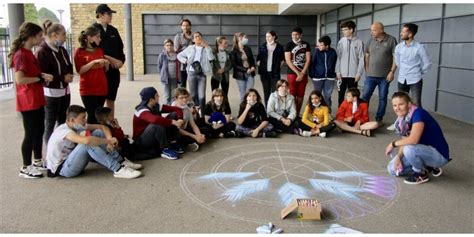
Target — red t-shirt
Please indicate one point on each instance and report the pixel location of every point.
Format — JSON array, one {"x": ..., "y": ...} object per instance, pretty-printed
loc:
[
  {"x": 28, "y": 96},
  {"x": 94, "y": 81}
]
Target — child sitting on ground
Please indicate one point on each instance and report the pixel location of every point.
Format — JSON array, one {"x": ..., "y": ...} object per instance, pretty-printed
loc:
[
  {"x": 217, "y": 115},
  {"x": 190, "y": 134},
  {"x": 315, "y": 120},
  {"x": 253, "y": 119},
  {"x": 69, "y": 152},
  {"x": 353, "y": 115},
  {"x": 124, "y": 147}
]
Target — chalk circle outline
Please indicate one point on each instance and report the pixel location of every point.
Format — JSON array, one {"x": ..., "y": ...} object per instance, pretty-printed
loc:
[{"x": 287, "y": 145}]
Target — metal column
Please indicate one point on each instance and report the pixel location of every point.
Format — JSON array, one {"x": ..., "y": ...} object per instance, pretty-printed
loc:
[{"x": 128, "y": 41}]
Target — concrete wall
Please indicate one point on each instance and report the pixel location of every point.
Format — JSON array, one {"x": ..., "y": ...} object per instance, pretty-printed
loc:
[{"x": 83, "y": 15}]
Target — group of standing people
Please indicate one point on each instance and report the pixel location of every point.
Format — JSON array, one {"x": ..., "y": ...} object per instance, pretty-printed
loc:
[{"x": 43, "y": 95}]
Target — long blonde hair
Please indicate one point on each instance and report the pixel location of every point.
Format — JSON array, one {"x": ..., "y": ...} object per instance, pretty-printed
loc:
[{"x": 236, "y": 39}]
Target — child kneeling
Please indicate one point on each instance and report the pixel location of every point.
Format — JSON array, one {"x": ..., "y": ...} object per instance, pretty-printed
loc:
[{"x": 69, "y": 152}]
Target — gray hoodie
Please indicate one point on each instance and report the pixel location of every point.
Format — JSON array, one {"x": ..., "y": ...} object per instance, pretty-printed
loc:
[
  {"x": 276, "y": 107},
  {"x": 187, "y": 56},
  {"x": 350, "y": 57}
]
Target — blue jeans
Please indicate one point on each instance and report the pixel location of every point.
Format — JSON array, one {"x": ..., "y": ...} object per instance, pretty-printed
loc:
[
  {"x": 245, "y": 85},
  {"x": 414, "y": 90},
  {"x": 248, "y": 131},
  {"x": 197, "y": 88},
  {"x": 168, "y": 90},
  {"x": 369, "y": 87},
  {"x": 325, "y": 87},
  {"x": 77, "y": 161},
  {"x": 417, "y": 157}
]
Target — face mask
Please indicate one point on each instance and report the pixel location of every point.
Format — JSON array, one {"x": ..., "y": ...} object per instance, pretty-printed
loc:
[
  {"x": 218, "y": 103},
  {"x": 244, "y": 41},
  {"x": 108, "y": 123},
  {"x": 282, "y": 93},
  {"x": 79, "y": 127},
  {"x": 251, "y": 102},
  {"x": 316, "y": 105},
  {"x": 94, "y": 44},
  {"x": 221, "y": 49},
  {"x": 58, "y": 43}
]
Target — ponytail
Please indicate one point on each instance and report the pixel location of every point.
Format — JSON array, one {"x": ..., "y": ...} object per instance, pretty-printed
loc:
[
  {"x": 27, "y": 30},
  {"x": 90, "y": 31}
]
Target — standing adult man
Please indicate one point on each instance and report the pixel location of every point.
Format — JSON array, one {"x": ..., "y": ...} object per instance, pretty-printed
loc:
[
  {"x": 412, "y": 59},
  {"x": 350, "y": 59},
  {"x": 182, "y": 41},
  {"x": 379, "y": 66},
  {"x": 112, "y": 45},
  {"x": 298, "y": 58}
]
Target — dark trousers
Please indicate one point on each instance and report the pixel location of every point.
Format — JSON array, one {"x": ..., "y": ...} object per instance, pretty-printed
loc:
[
  {"x": 279, "y": 127},
  {"x": 183, "y": 78},
  {"x": 325, "y": 129},
  {"x": 214, "y": 133},
  {"x": 153, "y": 139},
  {"x": 55, "y": 112},
  {"x": 347, "y": 82},
  {"x": 33, "y": 123},
  {"x": 269, "y": 85},
  {"x": 224, "y": 84},
  {"x": 414, "y": 90},
  {"x": 92, "y": 102},
  {"x": 113, "y": 82}
]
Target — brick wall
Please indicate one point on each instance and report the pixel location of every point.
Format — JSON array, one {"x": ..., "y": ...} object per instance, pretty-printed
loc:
[{"x": 83, "y": 15}]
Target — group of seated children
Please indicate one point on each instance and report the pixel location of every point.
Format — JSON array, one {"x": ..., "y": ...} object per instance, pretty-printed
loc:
[{"x": 168, "y": 130}]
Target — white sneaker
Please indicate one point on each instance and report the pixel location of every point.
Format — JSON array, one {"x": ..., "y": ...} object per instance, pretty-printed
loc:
[
  {"x": 30, "y": 172},
  {"x": 306, "y": 134},
  {"x": 39, "y": 165},
  {"x": 128, "y": 163},
  {"x": 193, "y": 147},
  {"x": 391, "y": 127},
  {"x": 323, "y": 135},
  {"x": 127, "y": 173}
]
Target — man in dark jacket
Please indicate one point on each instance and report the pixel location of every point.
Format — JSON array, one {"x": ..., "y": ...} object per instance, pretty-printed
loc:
[
  {"x": 322, "y": 69},
  {"x": 113, "y": 48}
]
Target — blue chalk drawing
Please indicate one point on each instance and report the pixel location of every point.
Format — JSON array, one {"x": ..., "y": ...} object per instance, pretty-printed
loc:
[
  {"x": 290, "y": 191},
  {"x": 246, "y": 188},
  {"x": 343, "y": 174},
  {"x": 336, "y": 188},
  {"x": 229, "y": 175}
]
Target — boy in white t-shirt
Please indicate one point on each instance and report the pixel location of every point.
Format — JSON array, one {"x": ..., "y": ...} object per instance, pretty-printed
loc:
[{"x": 69, "y": 152}]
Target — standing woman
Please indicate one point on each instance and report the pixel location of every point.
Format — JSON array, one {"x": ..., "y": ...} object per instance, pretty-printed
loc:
[
  {"x": 91, "y": 65},
  {"x": 270, "y": 58},
  {"x": 54, "y": 59},
  {"x": 243, "y": 64},
  {"x": 221, "y": 66},
  {"x": 29, "y": 96},
  {"x": 197, "y": 57}
]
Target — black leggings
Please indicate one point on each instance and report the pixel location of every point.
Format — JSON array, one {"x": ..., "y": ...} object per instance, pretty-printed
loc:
[
  {"x": 33, "y": 123},
  {"x": 214, "y": 133},
  {"x": 224, "y": 84},
  {"x": 326, "y": 128},
  {"x": 92, "y": 102},
  {"x": 55, "y": 111}
]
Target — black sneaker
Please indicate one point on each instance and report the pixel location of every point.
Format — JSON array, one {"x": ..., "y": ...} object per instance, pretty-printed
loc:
[
  {"x": 269, "y": 134},
  {"x": 436, "y": 172},
  {"x": 417, "y": 178},
  {"x": 230, "y": 134},
  {"x": 177, "y": 148}
]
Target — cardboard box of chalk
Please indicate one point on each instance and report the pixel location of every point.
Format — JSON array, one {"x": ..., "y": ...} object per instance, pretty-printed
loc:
[{"x": 307, "y": 209}]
